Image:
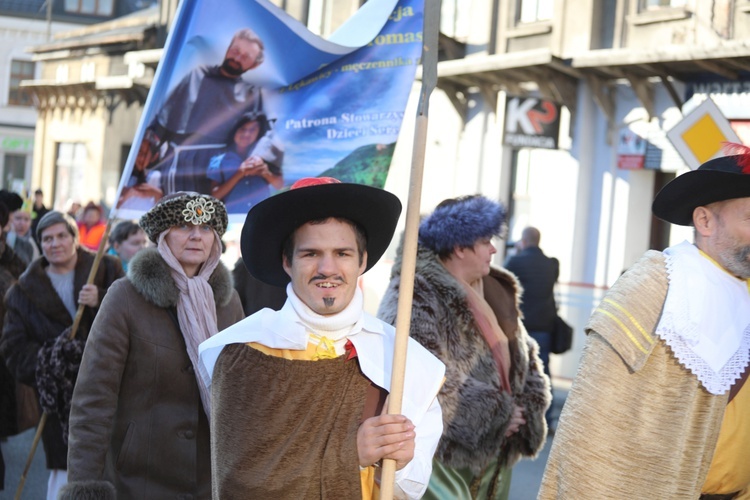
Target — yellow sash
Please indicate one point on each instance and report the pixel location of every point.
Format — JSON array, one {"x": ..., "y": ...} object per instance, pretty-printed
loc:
[{"x": 729, "y": 471}]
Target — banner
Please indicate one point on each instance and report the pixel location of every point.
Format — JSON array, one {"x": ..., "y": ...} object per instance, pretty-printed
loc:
[{"x": 246, "y": 100}]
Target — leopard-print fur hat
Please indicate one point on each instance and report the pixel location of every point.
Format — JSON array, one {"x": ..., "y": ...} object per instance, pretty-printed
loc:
[{"x": 178, "y": 208}]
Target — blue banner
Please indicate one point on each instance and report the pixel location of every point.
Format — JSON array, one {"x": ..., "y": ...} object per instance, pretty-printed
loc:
[{"x": 246, "y": 100}]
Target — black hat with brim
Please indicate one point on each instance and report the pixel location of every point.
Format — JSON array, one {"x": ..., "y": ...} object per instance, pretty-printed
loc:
[
  {"x": 716, "y": 180},
  {"x": 270, "y": 222}
]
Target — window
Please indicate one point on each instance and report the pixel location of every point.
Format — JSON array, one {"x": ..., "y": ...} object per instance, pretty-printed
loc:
[
  {"x": 660, "y": 4},
  {"x": 61, "y": 74},
  {"x": 531, "y": 11},
  {"x": 455, "y": 19},
  {"x": 14, "y": 172},
  {"x": 70, "y": 172},
  {"x": 88, "y": 71},
  {"x": 20, "y": 70},
  {"x": 326, "y": 16},
  {"x": 91, "y": 7}
]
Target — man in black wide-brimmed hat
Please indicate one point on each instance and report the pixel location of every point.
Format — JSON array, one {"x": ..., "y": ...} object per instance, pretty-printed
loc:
[
  {"x": 660, "y": 407},
  {"x": 298, "y": 394}
]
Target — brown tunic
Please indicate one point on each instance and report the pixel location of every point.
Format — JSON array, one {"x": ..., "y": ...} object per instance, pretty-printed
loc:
[{"x": 301, "y": 442}]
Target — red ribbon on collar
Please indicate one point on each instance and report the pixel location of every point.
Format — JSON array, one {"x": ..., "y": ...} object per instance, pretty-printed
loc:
[{"x": 351, "y": 351}]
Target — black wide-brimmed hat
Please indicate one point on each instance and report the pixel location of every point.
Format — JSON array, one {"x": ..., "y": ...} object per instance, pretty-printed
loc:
[
  {"x": 720, "y": 179},
  {"x": 270, "y": 222}
]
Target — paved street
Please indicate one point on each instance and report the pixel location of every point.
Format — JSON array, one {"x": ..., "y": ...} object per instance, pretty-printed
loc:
[
  {"x": 527, "y": 474},
  {"x": 15, "y": 452}
]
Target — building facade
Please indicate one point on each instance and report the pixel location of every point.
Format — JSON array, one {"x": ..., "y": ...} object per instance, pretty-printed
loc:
[
  {"x": 23, "y": 25},
  {"x": 612, "y": 76},
  {"x": 622, "y": 72}
]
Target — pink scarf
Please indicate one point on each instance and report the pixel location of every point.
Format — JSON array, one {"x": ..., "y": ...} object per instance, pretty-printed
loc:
[
  {"x": 491, "y": 331},
  {"x": 196, "y": 309}
]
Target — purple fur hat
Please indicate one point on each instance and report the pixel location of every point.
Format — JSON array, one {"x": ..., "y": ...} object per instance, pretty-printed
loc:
[{"x": 461, "y": 222}]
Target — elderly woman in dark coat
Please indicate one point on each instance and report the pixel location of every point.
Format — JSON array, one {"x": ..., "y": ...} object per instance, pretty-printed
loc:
[{"x": 138, "y": 425}]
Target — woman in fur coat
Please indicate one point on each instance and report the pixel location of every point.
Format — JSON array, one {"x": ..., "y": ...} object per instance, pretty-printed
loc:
[
  {"x": 138, "y": 422},
  {"x": 466, "y": 313}
]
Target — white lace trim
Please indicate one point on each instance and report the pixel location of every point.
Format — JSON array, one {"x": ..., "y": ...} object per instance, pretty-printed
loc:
[{"x": 706, "y": 318}]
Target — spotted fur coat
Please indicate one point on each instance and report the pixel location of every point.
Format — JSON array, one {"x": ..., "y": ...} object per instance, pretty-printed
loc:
[{"x": 476, "y": 413}]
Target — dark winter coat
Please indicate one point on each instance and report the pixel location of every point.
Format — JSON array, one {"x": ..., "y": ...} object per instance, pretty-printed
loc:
[
  {"x": 476, "y": 413},
  {"x": 538, "y": 275},
  {"x": 254, "y": 294},
  {"x": 137, "y": 420},
  {"x": 36, "y": 316},
  {"x": 11, "y": 267}
]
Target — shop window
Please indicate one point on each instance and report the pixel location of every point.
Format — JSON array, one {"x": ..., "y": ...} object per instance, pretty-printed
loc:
[
  {"x": 14, "y": 172},
  {"x": 20, "y": 70},
  {"x": 102, "y": 8},
  {"x": 532, "y": 11}
]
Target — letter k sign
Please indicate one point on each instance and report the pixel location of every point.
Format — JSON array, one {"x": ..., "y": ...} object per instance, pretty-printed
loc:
[
  {"x": 521, "y": 113},
  {"x": 518, "y": 115}
]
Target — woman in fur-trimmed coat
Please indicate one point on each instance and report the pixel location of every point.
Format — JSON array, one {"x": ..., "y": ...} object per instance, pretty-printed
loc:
[
  {"x": 138, "y": 425},
  {"x": 475, "y": 454}
]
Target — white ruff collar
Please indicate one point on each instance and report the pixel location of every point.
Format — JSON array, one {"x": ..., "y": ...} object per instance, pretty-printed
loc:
[
  {"x": 706, "y": 318},
  {"x": 335, "y": 327}
]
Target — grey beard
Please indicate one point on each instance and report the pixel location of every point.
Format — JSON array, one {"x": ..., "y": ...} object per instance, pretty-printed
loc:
[
  {"x": 737, "y": 262},
  {"x": 328, "y": 301}
]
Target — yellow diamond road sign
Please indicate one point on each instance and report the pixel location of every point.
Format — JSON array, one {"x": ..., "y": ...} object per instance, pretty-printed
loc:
[{"x": 700, "y": 135}]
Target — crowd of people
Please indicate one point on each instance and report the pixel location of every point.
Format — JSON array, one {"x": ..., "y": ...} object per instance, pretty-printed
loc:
[{"x": 185, "y": 379}]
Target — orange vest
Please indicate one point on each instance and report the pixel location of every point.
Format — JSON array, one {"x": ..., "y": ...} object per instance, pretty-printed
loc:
[{"x": 90, "y": 237}]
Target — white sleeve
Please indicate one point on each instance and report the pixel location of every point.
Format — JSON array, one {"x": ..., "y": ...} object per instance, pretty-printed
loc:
[{"x": 412, "y": 480}]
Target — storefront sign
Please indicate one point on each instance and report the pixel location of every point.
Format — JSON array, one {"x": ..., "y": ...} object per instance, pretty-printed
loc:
[
  {"x": 531, "y": 122},
  {"x": 631, "y": 150},
  {"x": 16, "y": 144}
]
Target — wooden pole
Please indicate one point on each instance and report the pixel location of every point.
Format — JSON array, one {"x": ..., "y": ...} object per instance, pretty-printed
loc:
[
  {"x": 34, "y": 444},
  {"x": 92, "y": 275},
  {"x": 409, "y": 251},
  {"x": 73, "y": 330}
]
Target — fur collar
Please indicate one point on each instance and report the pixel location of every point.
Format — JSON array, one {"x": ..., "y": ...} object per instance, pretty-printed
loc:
[
  {"x": 36, "y": 285},
  {"x": 152, "y": 277}
]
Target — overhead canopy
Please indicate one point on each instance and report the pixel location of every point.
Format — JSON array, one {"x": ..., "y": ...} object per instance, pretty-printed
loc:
[{"x": 556, "y": 78}]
